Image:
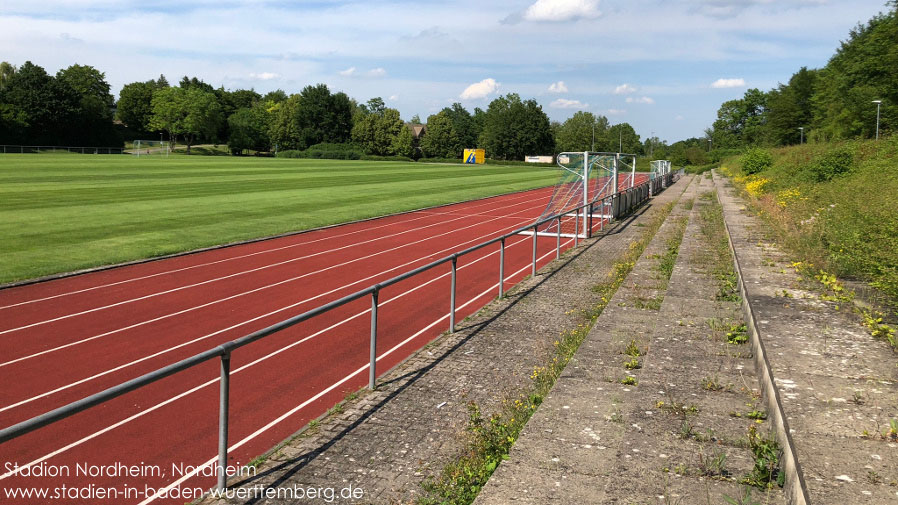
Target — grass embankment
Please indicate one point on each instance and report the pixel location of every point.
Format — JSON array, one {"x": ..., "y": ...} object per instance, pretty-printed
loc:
[
  {"x": 490, "y": 439},
  {"x": 832, "y": 206},
  {"x": 61, "y": 213}
]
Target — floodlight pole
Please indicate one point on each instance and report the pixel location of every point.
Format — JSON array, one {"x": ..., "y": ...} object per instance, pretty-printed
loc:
[
  {"x": 593, "y": 147},
  {"x": 878, "y": 103},
  {"x": 801, "y": 129}
]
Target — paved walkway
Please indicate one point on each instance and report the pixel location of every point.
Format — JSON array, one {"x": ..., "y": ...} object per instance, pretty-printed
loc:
[
  {"x": 386, "y": 442},
  {"x": 674, "y": 436}
]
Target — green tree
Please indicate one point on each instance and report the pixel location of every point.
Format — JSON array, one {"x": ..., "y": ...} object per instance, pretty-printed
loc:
[
  {"x": 276, "y": 96},
  {"x": 375, "y": 105},
  {"x": 514, "y": 128},
  {"x": 6, "y": 72},
  {"x": 40, "y": 108},
  {"x": 135, "y": 105},
  {"x": 440, "y": 140},
  {"x": 312, "y": 117},
  {"x": 742, "y": 122},
  {"x": 377, "y": 133},
  {"x": 466, "y": 128},
  {"x": 193, "y": 82},
  {"x": 789, "y": 107},
  {"x": 249, "y": 129},
  {"x": 404, "y": 143},
  {"x": 159, "y": 83},
  {"x": 622, "y": 138},
  {"x": 578, "y": 131},
  {"x": 192, "y": 113},
  {"x": 864, "y": 68},
  {"x": 95, "y": 114}
]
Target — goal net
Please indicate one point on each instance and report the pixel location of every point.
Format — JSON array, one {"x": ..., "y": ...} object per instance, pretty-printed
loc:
[
  {"x": 585, "y": 178},
  {"x": 150, "y": 148},
  {"x": 659, "y": 168}
]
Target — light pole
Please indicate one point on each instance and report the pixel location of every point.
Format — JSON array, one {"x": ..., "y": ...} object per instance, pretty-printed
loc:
[
  {"x": 593, "y": 135},
  {"x": 878, "y": 103},
  {"x": 709, "y": 145},
  {"x": 801, "y": 128}
]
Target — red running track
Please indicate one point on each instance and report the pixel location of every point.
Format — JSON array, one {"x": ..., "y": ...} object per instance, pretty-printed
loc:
[{"x": 66, "y": 339}]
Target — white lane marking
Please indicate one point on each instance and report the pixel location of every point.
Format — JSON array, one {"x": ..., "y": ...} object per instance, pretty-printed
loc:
[
  {"x": 184, "y": 311},
  {"x": 244, "y": 272},
  {"x": 225, "y": 260},
  {"x": 164, "y": 491},
  {"x": 164, "y": 351},
  {"x": 254, "y": 362}
]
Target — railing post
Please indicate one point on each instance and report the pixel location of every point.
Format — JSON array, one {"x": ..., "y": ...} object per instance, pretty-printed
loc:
[
  {"x": 576, "y": 226},
  {"x": 558, "y": 240},
  {"x": 589, "y": 230},
  {"x": 502, "y": 268},
  {"x": 452, "y": 295},
  {"x": 372, "y": 368},
  {"x": 533, "y": 268},
  {"x": 224, "y": 393}
]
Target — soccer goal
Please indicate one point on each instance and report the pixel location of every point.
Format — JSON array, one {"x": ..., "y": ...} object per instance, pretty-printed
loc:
[
  {"x": 587, "y": 179},
  {"x": 151, "y": 148},
  {"x": 660, "y": 174}
]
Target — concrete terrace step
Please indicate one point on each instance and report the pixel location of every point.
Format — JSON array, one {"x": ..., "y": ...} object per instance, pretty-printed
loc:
[
  {"x": 836, "y": 387},
  {"x": 596, "y": 440}
]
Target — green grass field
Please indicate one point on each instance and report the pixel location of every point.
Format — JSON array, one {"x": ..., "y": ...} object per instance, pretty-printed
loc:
[{"x": 65, "y": 212}]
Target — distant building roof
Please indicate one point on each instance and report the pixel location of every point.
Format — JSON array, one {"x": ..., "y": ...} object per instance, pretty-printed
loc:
[{"x": 417, "y": 129}]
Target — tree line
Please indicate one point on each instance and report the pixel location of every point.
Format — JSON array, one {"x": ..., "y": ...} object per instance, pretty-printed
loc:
[
  {"x": 831, "y": 103},
  {"x": 75, "y": 107}
]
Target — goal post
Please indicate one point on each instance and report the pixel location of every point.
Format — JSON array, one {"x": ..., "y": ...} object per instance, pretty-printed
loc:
[{"x": 151, "y": 148}]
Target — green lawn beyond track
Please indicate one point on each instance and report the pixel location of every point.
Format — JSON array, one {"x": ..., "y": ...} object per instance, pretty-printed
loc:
[{"x": 64, "y": 212}]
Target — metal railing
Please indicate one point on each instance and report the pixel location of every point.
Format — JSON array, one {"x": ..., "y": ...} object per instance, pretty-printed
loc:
[
  {"x": 17, "y": 149},
  {"x": 622, "y": 204}
]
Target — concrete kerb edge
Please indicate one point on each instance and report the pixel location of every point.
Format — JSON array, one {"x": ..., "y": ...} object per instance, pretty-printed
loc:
[{"x": 795, "y": 487}]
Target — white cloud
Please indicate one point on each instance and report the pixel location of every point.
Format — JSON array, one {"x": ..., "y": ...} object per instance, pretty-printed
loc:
[
  {"x": 564, "y": 103},
  {"x": 728, "y": 83},
  {"x": 642, "y": 99},
  {"x": 480, "y": 89},
  {"x": 264, "y": 76},
  {"x": 393, "y": 98},
  {"x": 679, "y": 117},
  {"x": 562, "y": 10},
  {"x": 615, "y": 112},
  {"x": 558, "y": 87},
  {"x": 354, "y": 72},
  {"x": 624, "y": 89}
]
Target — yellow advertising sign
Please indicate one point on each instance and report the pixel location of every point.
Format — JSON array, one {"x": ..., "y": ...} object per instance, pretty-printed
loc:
[{"x": 473, "y": 156}]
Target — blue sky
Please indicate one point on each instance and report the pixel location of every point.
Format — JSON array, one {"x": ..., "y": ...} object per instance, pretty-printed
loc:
[{"x": 664, "y": 66}]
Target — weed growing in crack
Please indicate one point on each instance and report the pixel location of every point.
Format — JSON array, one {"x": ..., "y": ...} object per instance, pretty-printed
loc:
[
  {"x": 738, "y": 334},
  {"x": 765, "y": 451}
]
